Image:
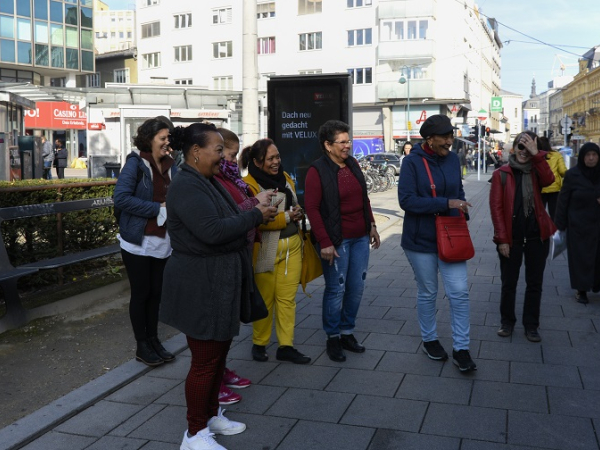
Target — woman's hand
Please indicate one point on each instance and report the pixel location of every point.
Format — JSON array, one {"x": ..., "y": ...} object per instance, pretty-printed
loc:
[
  {"x": 264, "y": 197},
  {"x": 463, "y": 205},
  {"x": 329, "y": 254},
  {"x": 529, "y": 143},
  {"x": 296, "y": 213},
  {"x": 268, "y": 212},
  {"x": 374, "y": 237},
  {"x": 504, "y": 250}
]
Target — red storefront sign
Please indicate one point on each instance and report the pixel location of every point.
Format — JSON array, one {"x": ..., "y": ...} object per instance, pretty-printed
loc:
[{"x": 56, "y": 116}]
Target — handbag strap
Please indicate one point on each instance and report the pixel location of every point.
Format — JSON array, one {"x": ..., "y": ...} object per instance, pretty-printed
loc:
[{"x": 429, "y": 175}]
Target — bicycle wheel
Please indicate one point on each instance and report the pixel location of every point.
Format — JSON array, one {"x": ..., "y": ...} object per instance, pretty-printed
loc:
[{"x": 369, "y": 182}]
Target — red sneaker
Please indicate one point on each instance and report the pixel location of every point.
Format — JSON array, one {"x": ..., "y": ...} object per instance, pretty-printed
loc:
[
  {"x": 227, "y": 396},
  {"x": 233, "y": 380}
]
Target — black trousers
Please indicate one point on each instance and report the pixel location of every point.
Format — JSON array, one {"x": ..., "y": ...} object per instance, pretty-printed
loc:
[
  {"x": 60, "y": 172},
  {"x": 535, "y": 252},
  {"x": 146, "y": 279},
  {"x": 550, "y": 199}
]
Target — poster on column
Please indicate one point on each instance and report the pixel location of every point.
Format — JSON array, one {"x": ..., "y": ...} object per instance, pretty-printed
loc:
[{"x": 297, "y": 107}]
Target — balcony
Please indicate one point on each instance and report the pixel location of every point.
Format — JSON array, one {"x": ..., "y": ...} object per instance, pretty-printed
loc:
[
  {"x": 395, "y": 90},
  {"x": 395, "y": 9},
  {"x": 405, "y": 49}
]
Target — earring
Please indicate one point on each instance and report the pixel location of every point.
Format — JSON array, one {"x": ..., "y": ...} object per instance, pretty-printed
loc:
[{"x": 195, "y": 160}]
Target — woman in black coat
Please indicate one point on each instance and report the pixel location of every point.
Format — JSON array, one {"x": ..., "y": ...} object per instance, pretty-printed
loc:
[
  {"x": 60, "y": 159},
  {"x": 578, "y": 212}
]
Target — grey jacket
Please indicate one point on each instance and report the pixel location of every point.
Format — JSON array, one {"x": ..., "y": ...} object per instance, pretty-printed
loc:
[
  {"x": 210, "y": 269},
  {"x": 48, "y": 151}
]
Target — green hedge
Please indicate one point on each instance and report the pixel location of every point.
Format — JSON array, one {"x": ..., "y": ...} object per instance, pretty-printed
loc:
[{"x": 36, "y": 238}]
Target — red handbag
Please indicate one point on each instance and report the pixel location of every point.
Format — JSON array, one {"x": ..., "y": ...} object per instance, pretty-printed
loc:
[{"x": 453, "y": 237}]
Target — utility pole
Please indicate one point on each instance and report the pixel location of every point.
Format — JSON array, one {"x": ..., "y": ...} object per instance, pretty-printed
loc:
[{"x": 250, "y": 74}]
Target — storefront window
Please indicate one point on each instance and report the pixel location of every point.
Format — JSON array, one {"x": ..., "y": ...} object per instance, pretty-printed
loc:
[
  {"x": 7, "y": 27},
  {"x": 24, "y": 53},
  {"x": 7, "y": 50}
]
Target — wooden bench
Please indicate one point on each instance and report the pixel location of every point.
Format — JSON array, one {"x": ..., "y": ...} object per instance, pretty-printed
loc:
[{"x": 16, "y": 314}]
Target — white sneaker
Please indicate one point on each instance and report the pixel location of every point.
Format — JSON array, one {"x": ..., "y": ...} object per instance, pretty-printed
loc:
[
  {"x": 204, "y": 440},
  {"x": 222, "y": 425}
]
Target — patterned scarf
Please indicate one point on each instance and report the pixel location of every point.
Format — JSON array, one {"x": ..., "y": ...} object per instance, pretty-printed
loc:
[{"x": 231, "y": 171}]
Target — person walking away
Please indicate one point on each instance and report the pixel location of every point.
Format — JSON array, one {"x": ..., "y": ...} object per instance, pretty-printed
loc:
[
  {"x": 48, "y": 157},
  {"x": 578, "y": 213},
  {"x": 522, "y": 228},
  {"x": 342, "y": 221},
  {"x": 206, "y": 277},
  {"x": 419, "y": 238},
  {"x": 140, "y": 194},
  {"x": 278, "y": 258},
  {"x": 60, "y": 159},
  {"x": 557, "y": 165}
]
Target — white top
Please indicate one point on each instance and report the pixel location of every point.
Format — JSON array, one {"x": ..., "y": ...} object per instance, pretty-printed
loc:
[{"x": 153, "y": 246}]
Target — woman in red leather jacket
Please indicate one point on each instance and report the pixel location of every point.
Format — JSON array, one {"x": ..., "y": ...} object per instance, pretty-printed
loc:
[{"x": 522, "y": 228}]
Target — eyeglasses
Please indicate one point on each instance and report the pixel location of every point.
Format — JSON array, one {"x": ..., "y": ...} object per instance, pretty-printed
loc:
[{"x": 344, "y": 143}]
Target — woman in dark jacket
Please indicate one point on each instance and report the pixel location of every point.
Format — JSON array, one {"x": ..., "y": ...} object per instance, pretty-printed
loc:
[
  {"x": 521, "y": 229},
  {"x": 419, "y": 237},
  {"x": 342, "y": 222},
  {"x": 60, "y": 159},
  {"x": 140, "y": 194},
  {"x": 206, "y": 277},
  {"x": 578, "y": 212}
]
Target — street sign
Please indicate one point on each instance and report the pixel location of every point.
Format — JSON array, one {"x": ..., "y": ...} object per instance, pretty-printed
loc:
[
  {"x": 454, "y": 108},
  {"x": 496, "y": 104},
  {"x": 566, "y": 122},
  {"x": 483, "y": 115},
  {"x": 578, "y": 137}
]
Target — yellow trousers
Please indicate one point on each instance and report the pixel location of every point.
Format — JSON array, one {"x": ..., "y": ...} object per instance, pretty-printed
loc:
[{"x": 278, "y": 288}]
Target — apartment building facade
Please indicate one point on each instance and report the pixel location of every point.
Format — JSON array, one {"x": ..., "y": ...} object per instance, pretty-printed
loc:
[
  {"x": 114, "y": 30},
  {"x": 447, "y": 54}
]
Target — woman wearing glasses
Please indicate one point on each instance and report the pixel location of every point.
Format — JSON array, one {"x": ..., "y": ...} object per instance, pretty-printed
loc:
[
  {"x": 522, "y": 228},
  {"x": 342, "y": 222}
]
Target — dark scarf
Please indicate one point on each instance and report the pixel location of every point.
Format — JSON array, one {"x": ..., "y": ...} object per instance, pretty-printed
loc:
[
  {"x": 231, "y": 172},
  {"x": 267, "y": 181},
  {"x": 526, "y": 182}
]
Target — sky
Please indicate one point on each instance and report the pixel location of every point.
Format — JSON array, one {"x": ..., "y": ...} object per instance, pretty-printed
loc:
[{"x": 533, "y": 33}]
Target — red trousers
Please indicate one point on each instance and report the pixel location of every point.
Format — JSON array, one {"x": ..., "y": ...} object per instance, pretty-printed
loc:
[{"x": 204, "y": 381}]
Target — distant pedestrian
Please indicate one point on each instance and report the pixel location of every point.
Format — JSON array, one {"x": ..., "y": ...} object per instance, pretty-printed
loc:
[
  {"x": 60, "y": 158},
  {"x": 557, "y": 165},
  {"x": 48, "y": 156},
  {"x": 522, "y": 228}
]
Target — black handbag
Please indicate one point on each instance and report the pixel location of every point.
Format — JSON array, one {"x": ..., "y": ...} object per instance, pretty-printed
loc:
[{"x": 253, "y": 308}]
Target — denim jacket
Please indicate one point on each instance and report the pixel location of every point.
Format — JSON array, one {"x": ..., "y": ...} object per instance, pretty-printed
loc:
[{"x": 135, "y": 199}]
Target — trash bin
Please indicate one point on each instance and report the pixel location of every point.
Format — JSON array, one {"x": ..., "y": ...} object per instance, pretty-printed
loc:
[{"x": 112, "y": 170}]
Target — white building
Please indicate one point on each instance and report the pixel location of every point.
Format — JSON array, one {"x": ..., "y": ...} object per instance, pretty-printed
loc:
[
  {"x": 513, "y": 113},
  {"x": 447, "y": 50},
  {"x": 113, "y": 29}
]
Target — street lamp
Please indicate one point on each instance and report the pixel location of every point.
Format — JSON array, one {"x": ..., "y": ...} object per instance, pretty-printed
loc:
[{"x": 406, "y": 79}]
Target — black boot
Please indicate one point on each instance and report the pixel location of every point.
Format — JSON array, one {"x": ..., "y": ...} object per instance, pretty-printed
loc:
[
  {"x": 335, "y": 350},
  {"x": 146, "y": 354},
  {"x": 160, "y": 350}
]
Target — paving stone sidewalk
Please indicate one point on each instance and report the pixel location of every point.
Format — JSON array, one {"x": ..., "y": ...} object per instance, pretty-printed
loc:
[{"x": 524, "y": 396}]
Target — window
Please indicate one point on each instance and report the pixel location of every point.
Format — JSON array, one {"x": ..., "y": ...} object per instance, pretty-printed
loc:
[
  {"x": 150, "y": 60},
  {"x": 358, "y": 3},
  {"x": 359, "y": 37},
  {"x": 222, "y": 15},
  {"x": 184, "y": 81},
  {"x": 361, "y": 75},
  {"x": 183, "y": 53},
  {"x": 309, "y": 7},
  {"x": 7, "y": 27},
  {"x": 223, "y": 83},
  {"x": 266, "y": 45},
  {"x": 7, "y": 50},
  {"x": 121, "y": 76},
  {"x": 265, "y": 10},
  {"x": 398, "y": 30},
  {"x": 183, "y": 20},
  {"x": 92, "y": 80},
  {"x": 311, "y": 41},
  {"x": 222, "y": 49},
  {"x": 150, "y": 30}
]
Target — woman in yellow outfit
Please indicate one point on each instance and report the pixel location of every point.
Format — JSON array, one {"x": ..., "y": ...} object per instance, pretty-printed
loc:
[
  {"x": 278, "y": 257},
  {"x": 557, "y": 164}
]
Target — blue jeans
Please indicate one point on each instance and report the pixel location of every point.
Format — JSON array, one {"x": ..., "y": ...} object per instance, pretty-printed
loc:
[
  {"x": 48, "y": 170},
  {"x": 344, "y": 286},
  {"x": 454, "y": 276}
]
